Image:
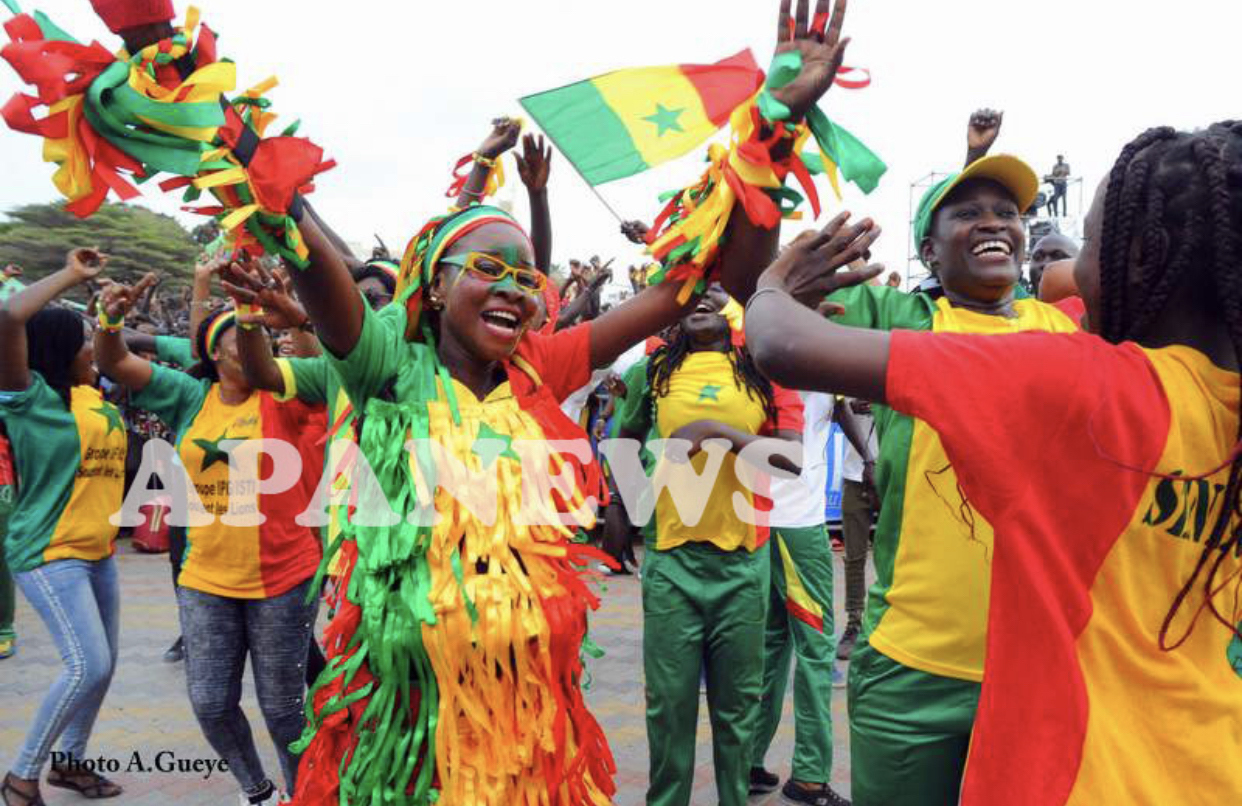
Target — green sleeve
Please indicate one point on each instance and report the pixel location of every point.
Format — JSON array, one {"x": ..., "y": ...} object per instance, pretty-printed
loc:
[
  {"x": 633, "y": 411},
  {"x": 173, "y": 396},
  {"x": 305, "y": 378},
  {"x": 376, "y": 358},
  {"x": 174, "y": 350},
  {"x": 883, "y": 308}
]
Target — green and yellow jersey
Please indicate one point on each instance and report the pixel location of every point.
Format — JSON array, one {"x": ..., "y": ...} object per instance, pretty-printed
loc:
[
  {"x": 933, "y": 551},
  {"x": 71, "y": 469}
]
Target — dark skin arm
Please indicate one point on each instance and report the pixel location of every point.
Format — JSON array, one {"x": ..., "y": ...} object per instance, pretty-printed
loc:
[
  {"x": 251, "y": 284},
  {"x": 700, "y": 431},
  {"x": 749, "y": 245},
  {"x": 81, "y": 265},
  {"x": 113, "y": 357},
  {"x": 798, "y": 348},
  {"x": 327, "y": 291},
  {"x": 853, "y": 431},
  {"x": 347, "y": 254},
  {"x": 504, "y": 136},
  {"x": 640, "y": 316},
  {"x": 534, "y": 164}
]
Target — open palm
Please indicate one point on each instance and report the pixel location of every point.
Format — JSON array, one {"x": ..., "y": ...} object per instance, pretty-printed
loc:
[{"x": 822, "y": 49}]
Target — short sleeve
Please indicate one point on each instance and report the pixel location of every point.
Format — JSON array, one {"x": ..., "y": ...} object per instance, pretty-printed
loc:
[
  {"x": 789, "y": 412},
  {"x": 562, "y": 360},
  {"x": 376, "y": 358},
  {"x": 36, "y": 394},
  {"x": 305, "y": 379},
  {"x": 632, "y": 412},
  {"x": 173, "y": 396},
  {"x": 174, "y": 350},
  {"x": 882, "y": 308},
  {"x": 998, "y": 402}
]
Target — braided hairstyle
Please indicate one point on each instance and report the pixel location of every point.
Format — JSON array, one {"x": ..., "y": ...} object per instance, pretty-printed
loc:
[
  {"x": 1173, "y": 215},
  {"x": 669, "y": 356}
]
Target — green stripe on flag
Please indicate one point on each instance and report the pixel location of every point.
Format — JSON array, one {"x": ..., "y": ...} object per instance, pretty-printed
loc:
[{"x": 587, "y": 131}]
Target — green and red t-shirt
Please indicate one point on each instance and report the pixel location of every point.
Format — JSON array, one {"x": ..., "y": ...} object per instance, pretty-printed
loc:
[
  {"x": 243, "y": 562},
  {"x": 1085, "y": 457},
  {"x": 70, "y": 467}
]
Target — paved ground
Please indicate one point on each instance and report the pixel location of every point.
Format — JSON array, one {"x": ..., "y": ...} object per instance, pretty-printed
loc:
[{"x": 147, "y": 711}]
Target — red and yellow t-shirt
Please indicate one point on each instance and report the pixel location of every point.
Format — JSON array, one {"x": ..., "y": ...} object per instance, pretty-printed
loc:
[
  {"x": 244, "y": 562},
  {"x": 1073, "y": 448},
  {"x": 70, "y": 467}
]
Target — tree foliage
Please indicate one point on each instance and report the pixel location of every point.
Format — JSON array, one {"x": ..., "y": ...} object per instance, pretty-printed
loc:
[{"x": 38, "y": 236}]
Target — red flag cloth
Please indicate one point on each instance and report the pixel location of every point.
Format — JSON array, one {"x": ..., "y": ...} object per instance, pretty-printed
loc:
[{"x": 121, "y": 14}]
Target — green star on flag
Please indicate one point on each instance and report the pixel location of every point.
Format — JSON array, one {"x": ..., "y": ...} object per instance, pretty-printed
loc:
[
  {"x": 710, "y": 392},
  {"x": 665, "y": 120},
  {"x": 109, "y": 412},
  {"x": 212, "y": 452},
  {"x": 490, "y": 445}
]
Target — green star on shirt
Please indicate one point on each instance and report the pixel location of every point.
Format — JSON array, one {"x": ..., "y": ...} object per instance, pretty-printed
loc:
[
  {"x": 665, "y": 120},
  {"x": 115, "y": 423},
  {"x": 212, "y": 452},
  {"x": 710, "y": 392},
  {"x": 490, "y": 445}
]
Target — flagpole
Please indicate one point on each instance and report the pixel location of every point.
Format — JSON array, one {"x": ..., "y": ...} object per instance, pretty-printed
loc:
[{"x": 602, "y": 200}]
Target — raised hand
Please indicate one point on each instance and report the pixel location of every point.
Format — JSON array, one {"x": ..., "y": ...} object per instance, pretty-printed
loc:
[
  {"x": 208, "y": 266},
  {"x": 249, "y": 283},
  {"x": 86, "y": 264},
  {"x": 117, "y": 299},
  {"x": 504, "y": 136},
  {"x": 12, "y": 270},
  {"x": 981, "y": 132},
  {"x": 808, "y": 269},
  {"x": 635, "y": 231},
  {"x": 534, "y": 163},
  {"x": 819, "y": 42}
]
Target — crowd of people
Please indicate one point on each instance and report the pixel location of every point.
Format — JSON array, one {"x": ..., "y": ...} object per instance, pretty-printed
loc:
[{"x": 1042, "y": 457}]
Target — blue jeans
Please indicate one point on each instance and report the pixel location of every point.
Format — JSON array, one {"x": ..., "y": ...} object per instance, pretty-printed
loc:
[
  {"x": 79, "y": 602},
  {"x": 219, "y": 632}
]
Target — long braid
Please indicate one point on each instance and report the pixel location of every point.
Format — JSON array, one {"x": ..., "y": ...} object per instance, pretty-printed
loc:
[{"x": 1170, "y": 194}]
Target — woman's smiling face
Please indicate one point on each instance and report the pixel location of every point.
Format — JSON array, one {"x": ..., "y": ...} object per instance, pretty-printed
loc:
[{"x": 485, "y": 318}]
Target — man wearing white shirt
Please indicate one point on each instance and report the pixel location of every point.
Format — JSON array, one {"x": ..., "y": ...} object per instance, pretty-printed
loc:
[{"x": 800, "y": 618}]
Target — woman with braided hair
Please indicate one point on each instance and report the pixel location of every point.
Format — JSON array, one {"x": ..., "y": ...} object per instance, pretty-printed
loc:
[
  {"x": 1114, "y": 662},
  {"x": 706, "y": 583}
]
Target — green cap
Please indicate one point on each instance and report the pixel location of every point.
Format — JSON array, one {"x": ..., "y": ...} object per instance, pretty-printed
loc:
[{"x": 1016, "y": 176}]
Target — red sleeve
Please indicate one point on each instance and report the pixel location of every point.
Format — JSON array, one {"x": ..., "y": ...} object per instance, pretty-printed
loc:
[
  {"x": 1012, "y": 410},
  {"x": 789, "y": 412},
  {"x": 562, "y": 360}
]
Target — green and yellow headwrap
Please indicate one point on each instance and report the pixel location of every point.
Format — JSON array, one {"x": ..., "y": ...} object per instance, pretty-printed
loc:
[
  {"x": 216, "y": 328},
  {"x": 433, "y": 240}
]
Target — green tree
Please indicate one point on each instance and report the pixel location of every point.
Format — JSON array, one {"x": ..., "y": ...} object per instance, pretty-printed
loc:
[{"x": 38, "y": 236}]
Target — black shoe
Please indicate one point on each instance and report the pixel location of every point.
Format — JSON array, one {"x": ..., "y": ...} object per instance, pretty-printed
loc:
[
  {"x": 822, "y": 795},
  {"x": 176, "y": 652},
  {"x": 845, "y": 647},
  {"x": 762, "y": 782}
]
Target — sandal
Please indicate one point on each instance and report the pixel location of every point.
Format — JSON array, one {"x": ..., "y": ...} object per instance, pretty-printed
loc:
[
  {"x": 26, "y": 800},
  {"x": 96, "y": 787}
]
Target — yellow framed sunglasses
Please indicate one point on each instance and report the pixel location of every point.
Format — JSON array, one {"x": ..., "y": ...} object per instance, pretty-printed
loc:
[{"x": 493, "y": 269}]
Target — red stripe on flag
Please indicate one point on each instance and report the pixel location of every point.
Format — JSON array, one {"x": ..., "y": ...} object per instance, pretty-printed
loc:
[
  {"x": 725, "y": 85},
  {"x": 804, "y": 615}
]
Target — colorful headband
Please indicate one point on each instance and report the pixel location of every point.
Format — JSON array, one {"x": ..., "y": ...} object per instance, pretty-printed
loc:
[
  {"x": 388, "y": 267},
  {"x": 216, "y": 329},
  {"x": 433, "y": 240}
]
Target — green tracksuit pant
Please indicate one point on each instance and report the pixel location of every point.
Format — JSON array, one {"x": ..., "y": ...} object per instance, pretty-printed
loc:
[
  {"x": 703, "y": 609},
  {"x": 800, "y": 626},
  {"x": 909, "y": 732}
]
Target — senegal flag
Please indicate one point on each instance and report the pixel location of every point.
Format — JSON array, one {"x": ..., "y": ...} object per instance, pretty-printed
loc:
[{"x": 622, "y": 123}]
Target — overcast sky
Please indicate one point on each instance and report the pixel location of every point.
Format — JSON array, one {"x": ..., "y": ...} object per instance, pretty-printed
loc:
[{"x": 395, "y": 91}]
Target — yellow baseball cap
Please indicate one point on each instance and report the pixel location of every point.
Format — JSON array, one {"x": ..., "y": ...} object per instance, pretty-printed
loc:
[{"x": 1014, "y": 174}]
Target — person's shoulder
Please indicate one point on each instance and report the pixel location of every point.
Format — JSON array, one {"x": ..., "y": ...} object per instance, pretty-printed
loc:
[{"x": 1044, "y": 316}]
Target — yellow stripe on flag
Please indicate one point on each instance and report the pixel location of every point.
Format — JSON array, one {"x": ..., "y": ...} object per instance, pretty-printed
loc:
[
  {"x": 660, "y": 108},
  {"x": 795, "y": 591}
]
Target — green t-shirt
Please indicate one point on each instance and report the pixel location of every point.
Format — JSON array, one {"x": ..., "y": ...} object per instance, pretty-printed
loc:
[
  {"x": 174, "y": 350},
  {"x": 70, "y": 467}
]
